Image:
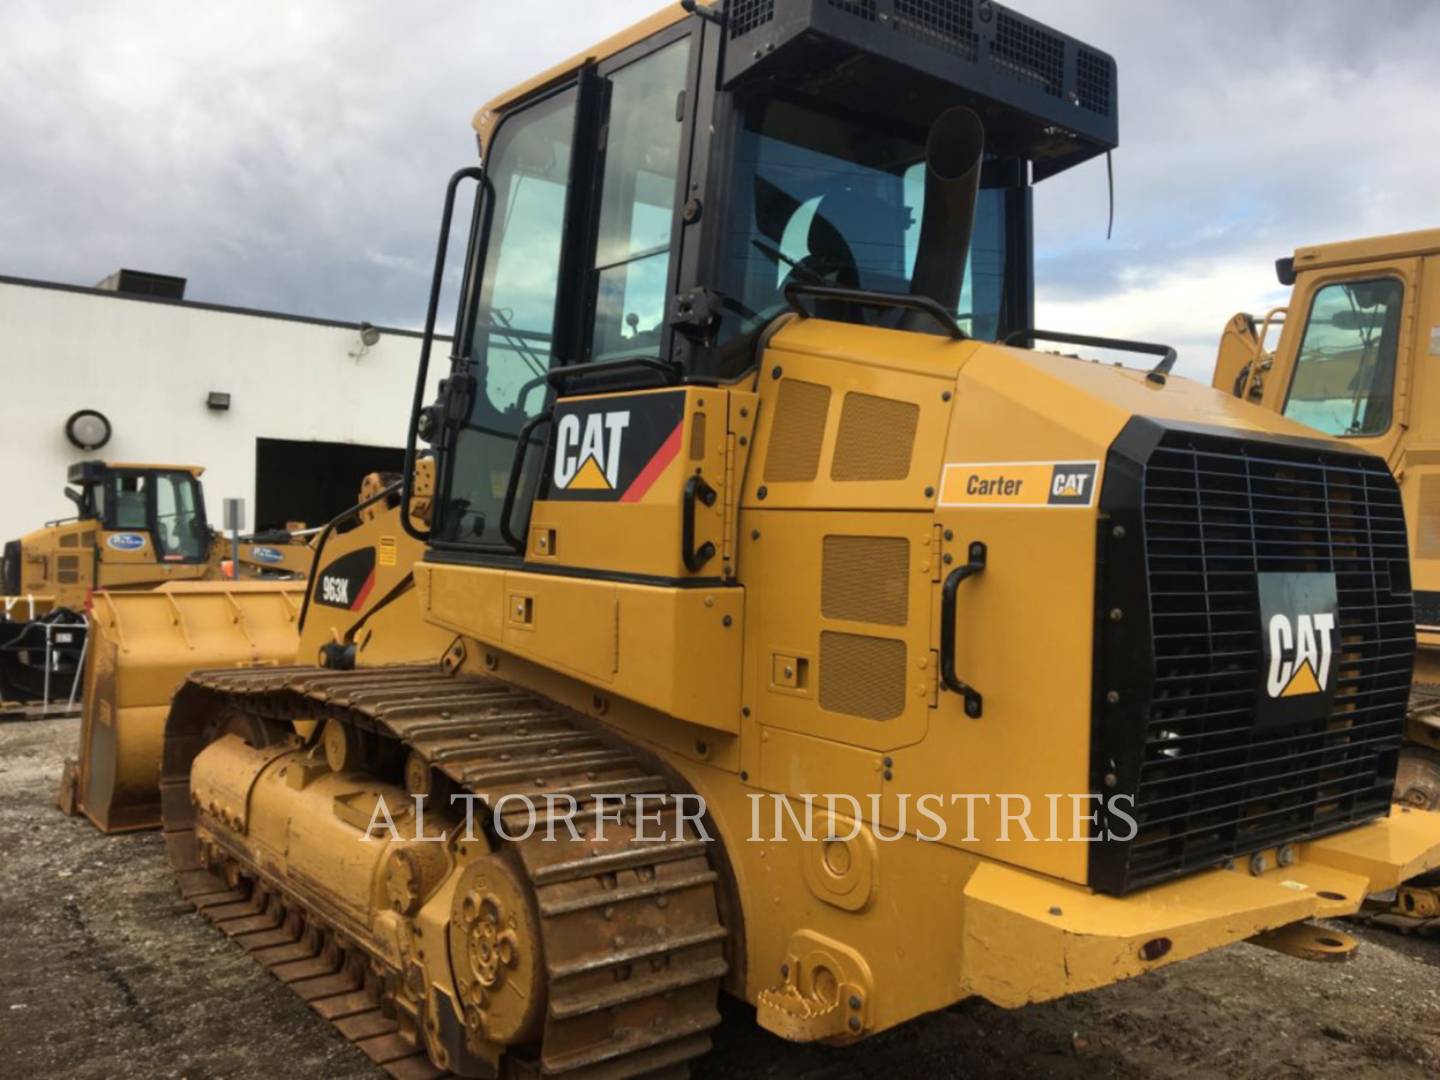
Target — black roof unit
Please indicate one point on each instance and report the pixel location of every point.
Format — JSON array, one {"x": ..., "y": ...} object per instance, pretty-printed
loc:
[{"x": 1045, "y": 97}]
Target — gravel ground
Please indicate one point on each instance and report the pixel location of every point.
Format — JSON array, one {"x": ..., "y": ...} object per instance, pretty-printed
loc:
[{"x": 104, "y": 974}]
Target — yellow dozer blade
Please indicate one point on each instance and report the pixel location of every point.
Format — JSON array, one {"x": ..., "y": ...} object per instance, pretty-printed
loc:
[{"x": 142, "y": 646}]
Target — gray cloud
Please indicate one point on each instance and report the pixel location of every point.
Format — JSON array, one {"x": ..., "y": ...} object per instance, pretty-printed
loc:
[{"x": 293, "y": 156}]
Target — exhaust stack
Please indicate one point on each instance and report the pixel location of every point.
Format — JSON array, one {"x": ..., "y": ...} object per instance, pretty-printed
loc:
[{"x": 954, "y": 155}]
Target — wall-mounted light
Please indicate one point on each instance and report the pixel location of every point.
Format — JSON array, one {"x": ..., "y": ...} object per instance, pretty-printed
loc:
[
  {"x": 369, "y": 336},
  {"x": 218, "y": 402},
  {"x": 88, "y": 429}
]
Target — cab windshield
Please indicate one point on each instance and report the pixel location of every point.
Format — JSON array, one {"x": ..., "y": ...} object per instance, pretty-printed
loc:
[
  {"x": 837, "y": 200},
  {"x": 1344, "y": 382}
]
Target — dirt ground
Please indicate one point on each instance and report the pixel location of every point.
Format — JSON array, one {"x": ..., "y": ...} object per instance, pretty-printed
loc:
[{"x": 104, "y": 974}]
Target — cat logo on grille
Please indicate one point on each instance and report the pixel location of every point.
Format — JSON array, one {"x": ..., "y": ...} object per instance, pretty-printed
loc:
[
  {"x": 1299, "y": 620},
  {"x": 1308, "y": 639}
]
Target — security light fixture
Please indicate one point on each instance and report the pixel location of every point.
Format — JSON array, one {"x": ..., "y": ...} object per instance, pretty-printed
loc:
[
  {"x": 218, "y": 402},
  {"x": 88, "y": 429},
  {"x": 369, "y": 335}
]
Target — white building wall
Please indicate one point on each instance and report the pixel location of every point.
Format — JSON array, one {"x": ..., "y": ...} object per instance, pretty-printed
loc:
[{"x": 149, "y": 368}]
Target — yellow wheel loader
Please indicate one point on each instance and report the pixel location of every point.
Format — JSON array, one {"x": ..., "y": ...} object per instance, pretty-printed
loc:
[
  {"x": 1351, "y": 360},
  {"x": 811, "y": 638},
  {"x": 144, "y": 642},
  {"x": 135, "y": 527}
]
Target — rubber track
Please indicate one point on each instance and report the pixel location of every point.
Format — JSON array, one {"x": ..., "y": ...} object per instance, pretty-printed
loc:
[{"x": 633, "y": 945}]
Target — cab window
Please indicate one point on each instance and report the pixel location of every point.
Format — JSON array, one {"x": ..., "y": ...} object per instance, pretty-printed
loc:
[
  {"x": 130, "y": 503},
  {"x": 1344, "y": 381},
  {"x": 637, "y": 208},
  {"x": 179, "y": 531}
]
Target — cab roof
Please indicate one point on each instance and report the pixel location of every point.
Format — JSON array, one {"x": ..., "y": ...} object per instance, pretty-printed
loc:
[{"x": 1393, "y": 246}]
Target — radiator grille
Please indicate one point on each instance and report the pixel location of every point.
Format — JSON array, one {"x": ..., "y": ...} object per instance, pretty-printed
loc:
[
  {"x": 67, "y": 569},
  {"x": 1094, "y": 77},
  {"x": 69, "y": 540},
  {"x": 747, "y": 15},
  {"x": 950, "y": 24},
  {"x": 794, "y": 450},
  {"x": 1029, "y": 53},
  {"x": 876, "y": 438},
  {"x": 862, "y": 676},
  {"x": 1210, "y": 784},
  {"x": 865, "y": 579}
]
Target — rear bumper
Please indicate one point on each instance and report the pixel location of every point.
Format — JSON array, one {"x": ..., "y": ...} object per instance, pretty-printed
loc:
[{"x": 1029, "y": 939}]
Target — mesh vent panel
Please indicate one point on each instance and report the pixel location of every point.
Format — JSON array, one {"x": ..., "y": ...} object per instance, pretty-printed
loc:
[
  {"x": 799, "y": 429},
  {"x": 861, "y": 9},
  {"x": 1428, "y": 525},
  {"x": 1029, "y": 53},
  {"x": 67, "y": 569},
  {"x": 747, "y": 15},
  {"x": 862, "y": 676},
  {"x": 865, "y": 578},
  {"x": 876, "y": 439},
  {"x": 949, "y": 24},
  {"x": 68, "y": 540},
  {"x": 1094, "y": 75}
]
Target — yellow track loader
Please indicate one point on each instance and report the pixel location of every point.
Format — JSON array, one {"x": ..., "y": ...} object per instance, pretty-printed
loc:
[
  {"x": 135, "y": 527},
  {"x": 813, "y": 637},
  {"x": 144, "y": 642}
]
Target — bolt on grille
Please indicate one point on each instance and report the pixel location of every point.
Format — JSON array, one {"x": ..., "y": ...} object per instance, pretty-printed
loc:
[{"x": 1209, "y": 783}]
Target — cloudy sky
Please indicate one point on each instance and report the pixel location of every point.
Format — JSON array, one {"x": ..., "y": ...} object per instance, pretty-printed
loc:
[{"x": 291, "y": 156}]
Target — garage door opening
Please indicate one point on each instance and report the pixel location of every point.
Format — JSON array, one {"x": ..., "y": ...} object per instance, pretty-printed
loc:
[{"x": 313, "y": 482}]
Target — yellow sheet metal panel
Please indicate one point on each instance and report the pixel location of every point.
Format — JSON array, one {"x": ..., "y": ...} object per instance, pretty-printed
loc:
[
  {"x": 615, "y": 498},
  {"x": 671, "y": 648}
]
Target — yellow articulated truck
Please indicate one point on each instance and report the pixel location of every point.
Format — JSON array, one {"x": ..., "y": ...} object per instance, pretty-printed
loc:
[
  {"x": 812, "y": 637},
  {"x": 135, "y": 527}
]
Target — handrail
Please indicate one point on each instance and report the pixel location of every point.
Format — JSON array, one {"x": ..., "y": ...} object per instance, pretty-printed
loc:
[
  {"x": 1156, "y": 374},
  {"x": 870, "y": 298}
]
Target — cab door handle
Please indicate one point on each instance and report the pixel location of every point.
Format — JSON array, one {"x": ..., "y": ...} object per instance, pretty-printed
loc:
[
  {"x": 696, "y": 489},
  {"x": 974, "y": 701}
]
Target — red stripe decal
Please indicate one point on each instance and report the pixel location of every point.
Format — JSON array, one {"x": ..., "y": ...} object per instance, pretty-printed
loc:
[
  {"x": 364, "y": 592},
  {"x": 648, "y": 475}
]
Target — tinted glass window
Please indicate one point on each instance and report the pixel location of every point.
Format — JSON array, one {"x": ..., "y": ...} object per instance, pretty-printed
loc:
[
  {"x": 642, "y": 156},
  {"x": 179, "y": 532},
  {"x": 529, "y": 172},
  {"x": 1344, "y": 382},
  {"x": 838, "y": 200},
  {"x": 130, "y": 503}
]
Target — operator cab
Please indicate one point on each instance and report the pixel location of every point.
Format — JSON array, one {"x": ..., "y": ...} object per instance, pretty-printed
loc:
[
  {"x": 163, "y": 502},
  {"x": 650, "y": 209}
]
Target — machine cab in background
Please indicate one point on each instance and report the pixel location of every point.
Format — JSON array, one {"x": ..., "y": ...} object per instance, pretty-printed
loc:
[{"x": 145, "y": 514}]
